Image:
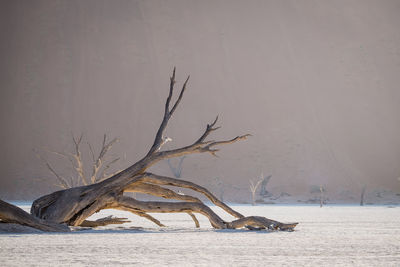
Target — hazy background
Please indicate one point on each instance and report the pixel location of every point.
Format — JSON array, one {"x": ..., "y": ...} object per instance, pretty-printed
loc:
[{"x": 315, "y": 82}]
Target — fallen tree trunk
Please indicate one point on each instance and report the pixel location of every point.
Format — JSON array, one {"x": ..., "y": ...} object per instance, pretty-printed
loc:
[{"x": 73, "y": 206}]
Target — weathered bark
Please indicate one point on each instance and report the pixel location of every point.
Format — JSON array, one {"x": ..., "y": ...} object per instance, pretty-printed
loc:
[
  {"x": 12, "y": 214},
  {"x": 72, "y": 206},
  {"x": 104, "y": 221}
]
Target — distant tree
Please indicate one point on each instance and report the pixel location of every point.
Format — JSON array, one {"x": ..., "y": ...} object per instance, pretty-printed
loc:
[
  {"x": 362, "y": 195},
  {"x": 177, "y": 169},
  {"x": 263, "y": 190},
  {"x": 99, "y": 168},
  {"x": 321, "y": 199},
  {"x": 315, "y": 189},
  {"x": 253, "y": 189}
]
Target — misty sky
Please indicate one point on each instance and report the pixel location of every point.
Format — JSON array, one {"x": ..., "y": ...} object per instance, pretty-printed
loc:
[{"x": 315, "y": 82}]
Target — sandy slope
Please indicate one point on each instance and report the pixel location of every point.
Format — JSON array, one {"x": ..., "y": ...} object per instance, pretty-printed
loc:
[{"x": 338, "y": 235}]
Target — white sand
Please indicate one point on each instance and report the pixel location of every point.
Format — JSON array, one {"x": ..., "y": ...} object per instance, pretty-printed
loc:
[{"x": 336, "y": 235}]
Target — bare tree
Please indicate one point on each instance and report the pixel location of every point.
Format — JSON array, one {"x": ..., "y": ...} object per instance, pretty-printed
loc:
[
  {"x": 253, "y": 189},
  {"x": 321, "y": 197},
  {"x": 74, "y": 205},
  {"x": 99, "y": 169},
  {"x": 362, "y": 195},
  {"x": 263, "y": 190}
]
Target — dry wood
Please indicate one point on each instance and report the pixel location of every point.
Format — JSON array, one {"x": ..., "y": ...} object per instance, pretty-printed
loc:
[
  {"x": 73, "y": 206},
  {"x": 12, "y": 214},
  {"x": 253, "y": 189},
  {"x": 104, "y": 221},
  {"x": 196, "y": 222}
]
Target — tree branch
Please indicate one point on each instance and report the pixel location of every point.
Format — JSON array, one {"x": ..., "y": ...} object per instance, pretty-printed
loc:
[
  {"x": 159, "y": 191},
  {"x": 196, "y": 222},
  {"x": 78, "y": 159},
  {"x": 158, "y": 141},
  {"x": 63, "y": 182},
  {"x": 167, "y": 207},
  {"x": 100, "y": 159},
  {"x": 163, "y": 180}
]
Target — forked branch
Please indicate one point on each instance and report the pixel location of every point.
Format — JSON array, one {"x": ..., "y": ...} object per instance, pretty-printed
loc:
[{"x": 158, "y": 141}]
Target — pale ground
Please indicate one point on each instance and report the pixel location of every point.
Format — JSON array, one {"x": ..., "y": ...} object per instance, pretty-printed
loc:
[{"x": 328, "y": 236}]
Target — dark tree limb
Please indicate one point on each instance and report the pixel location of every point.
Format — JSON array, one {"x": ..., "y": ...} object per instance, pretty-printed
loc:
[{"x": 12, "y": 214}]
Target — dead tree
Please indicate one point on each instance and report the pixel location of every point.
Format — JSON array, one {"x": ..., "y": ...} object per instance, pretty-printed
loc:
[
  {"x": 362, "y": 195},
  {"x": 263, "y": 190},
  {"x": 321, "y": 197},
  {"x": 74, "y": 205},
  {"x": 176, "y": 170},
  {"x": 98, "y": 170},
  {"x": 253, "y": 189}
]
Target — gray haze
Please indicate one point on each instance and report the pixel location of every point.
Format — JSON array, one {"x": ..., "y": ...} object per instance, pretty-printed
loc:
[{"x": 315, "y": 82}]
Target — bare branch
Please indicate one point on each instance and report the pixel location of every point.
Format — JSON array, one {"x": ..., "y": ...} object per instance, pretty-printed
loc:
[
  {"x": 164, "y": 207},
  {"x": 167, "y": 113},
  {"x": 162, "y": 180},
  {"x": 63, "y": 182},
  {"x": 78, "y": 159},
  {"x": 179, "y": 98},
  {"x": 70, "y": 157},
  {"x": 159, "y": 191},
  {"x": 91, "y": 152},
  {"x": 253, "y": 189},
  {"x": 196, "y": 222},
  {"x": 139, "y": 213},
  {"x": 108, "y": 165},
  {"x": 198, "y": 147},
  {"x": 97, "y": 164},
  {"x": 210, "y": 128}
]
